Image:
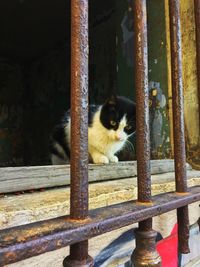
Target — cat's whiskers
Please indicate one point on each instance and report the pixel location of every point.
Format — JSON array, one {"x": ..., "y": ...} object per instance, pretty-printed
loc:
[{"x": 128, "y": 144}]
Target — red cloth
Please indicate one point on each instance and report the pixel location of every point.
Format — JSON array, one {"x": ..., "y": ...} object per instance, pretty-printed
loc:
[{"x": 168, "y": 249}]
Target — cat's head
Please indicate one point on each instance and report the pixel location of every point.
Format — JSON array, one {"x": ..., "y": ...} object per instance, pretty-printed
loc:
[{"x": 118, "y": 115}]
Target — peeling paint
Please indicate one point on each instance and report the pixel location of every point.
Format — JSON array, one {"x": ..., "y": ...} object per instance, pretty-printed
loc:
[{"x": 189, "y": 71}]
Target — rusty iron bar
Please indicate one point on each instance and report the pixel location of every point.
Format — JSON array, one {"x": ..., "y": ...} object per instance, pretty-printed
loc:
[
  {"x": 142, "y": 100},
  {"x": 143, "y": 255},
  {"x": 177, "y": 90},
  {"x": 197, "y": 29},
  {"x": 30, "y": 240},
  {"x": 79, "y": 128},
  {"x": 77, "y": 256},
  {"x": 79, "y": 110},
  {"x": 183, "y": 229},
  {"x": 178, "y": 121},
  {"x": 145, "y": 242}
]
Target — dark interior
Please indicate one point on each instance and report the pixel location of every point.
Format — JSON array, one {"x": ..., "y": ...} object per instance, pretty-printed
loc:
[
  {"x": 35, "y": 70},
  {"x": 31, "y": 28}
]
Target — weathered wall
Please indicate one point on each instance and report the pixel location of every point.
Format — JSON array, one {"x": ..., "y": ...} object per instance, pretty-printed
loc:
[
  {"x": 190, "y": 82},
  {"x": 189, "y": 71}
]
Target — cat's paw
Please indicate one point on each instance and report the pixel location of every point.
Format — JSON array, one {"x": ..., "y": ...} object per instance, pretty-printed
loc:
[
  {"x": 114, "y": 159},
  {"x": 101, "y": 159}
]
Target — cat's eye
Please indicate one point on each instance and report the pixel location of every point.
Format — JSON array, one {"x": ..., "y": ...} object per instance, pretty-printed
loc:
[
  {"x": 113, "y": 123},
  {"x": 128, "y": 127}
]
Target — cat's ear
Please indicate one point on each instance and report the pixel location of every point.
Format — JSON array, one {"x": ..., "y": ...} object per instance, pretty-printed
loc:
[{"x": 112, "y": 100}]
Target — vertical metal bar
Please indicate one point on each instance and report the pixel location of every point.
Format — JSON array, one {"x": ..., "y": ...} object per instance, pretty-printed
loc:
[
  {"x": 142, "y": 98},
  {"x": 145, "y": 253},
  {"x": 79, "y": 128},
  {"x": 79, "y": 109},
  {"x": 197, "y": 22},
  {"x": 177, "y": 90},
  {"x": 178, "y": 121}
]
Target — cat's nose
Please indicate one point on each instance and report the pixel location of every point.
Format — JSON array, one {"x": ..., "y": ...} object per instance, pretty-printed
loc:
[{"x": 118, "y": 137}]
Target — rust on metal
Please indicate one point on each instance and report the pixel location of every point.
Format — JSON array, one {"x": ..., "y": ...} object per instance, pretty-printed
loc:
[
  {"x": 183, "y": 229},
  {"x": 197, "y": 29},
  {"x": 178, "y": 120},
  {"x": 177, "y": 92},
  {"x": 145, "y": 253},
  {"x": 142, "y": 100},
  {"x": 146, "y": 225},
  {"x": 79, "y": 128},
  {"x": 79, "y": 109},
  {"x": 25, "y": 241},
  {"x": 77, "y": 256},
  {"x": 140, "y": 256}
]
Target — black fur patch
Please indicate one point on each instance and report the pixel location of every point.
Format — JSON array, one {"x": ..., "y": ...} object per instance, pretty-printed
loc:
[
  {"x": 114, "y": 109},
  {"x": 59, "y": 136}
]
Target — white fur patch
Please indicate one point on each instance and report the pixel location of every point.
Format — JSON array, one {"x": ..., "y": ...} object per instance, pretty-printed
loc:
[{"x": 104, "y": 142}]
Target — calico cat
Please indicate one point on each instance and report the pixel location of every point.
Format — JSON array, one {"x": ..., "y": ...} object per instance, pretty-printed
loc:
[{"x": 109, "y": 126}]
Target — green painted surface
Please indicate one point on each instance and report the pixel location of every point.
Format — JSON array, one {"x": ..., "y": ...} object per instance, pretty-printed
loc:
[
  {"x": 157, "y": 60},
  {"x": 158, "y": 73}
]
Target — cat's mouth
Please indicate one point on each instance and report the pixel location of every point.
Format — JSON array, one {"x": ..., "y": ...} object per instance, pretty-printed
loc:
[{"x": 120, "y": 138}]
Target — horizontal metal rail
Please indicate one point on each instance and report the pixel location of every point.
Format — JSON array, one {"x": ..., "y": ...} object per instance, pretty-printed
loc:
[{"x": 29, "y": 240}]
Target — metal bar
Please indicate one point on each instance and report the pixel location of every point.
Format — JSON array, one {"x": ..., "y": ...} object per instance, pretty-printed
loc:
[
  {"x": 197, "y": 23},
  {"x": 142, "y": 100},
  {"x": 177, "y": 92},
  {"x": 25, "y": 241},
  {"x": 78, "y": 256},
  {"x": 145, "y": 252},
  {"x": 79, "y": 109},
  {"x": 79, "y": 128},
  {"x": 178, "y": 120},
  {"x": 143, "y": 255},
  {"x": 183, "y": 229}
]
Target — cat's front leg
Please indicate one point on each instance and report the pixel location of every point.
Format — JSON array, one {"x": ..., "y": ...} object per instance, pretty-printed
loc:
[
  {"x": 112, "y": 158},
  {"x": 99, "y": 158}
]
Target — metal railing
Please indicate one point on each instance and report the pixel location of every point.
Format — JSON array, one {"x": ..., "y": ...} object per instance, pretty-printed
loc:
[{"x": 21, "y": 242}]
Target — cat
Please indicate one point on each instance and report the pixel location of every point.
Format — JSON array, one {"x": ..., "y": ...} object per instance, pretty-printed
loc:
[{"x": 109, "y": 127}]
